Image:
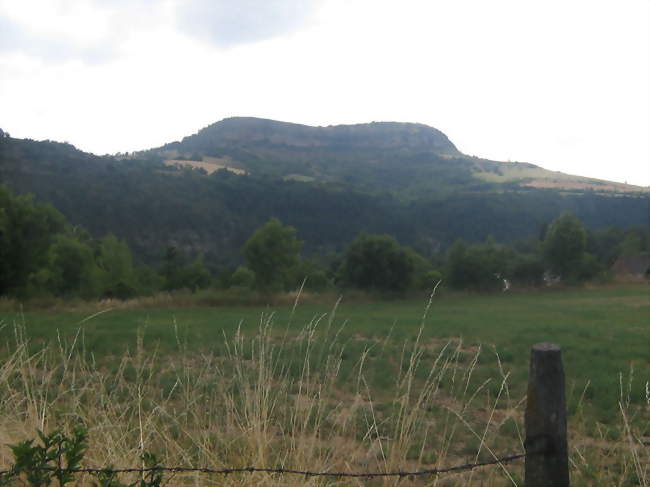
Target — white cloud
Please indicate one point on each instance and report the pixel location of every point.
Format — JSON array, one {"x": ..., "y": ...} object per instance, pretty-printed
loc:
[
  {"x": 57, "y": 31},
  {"x": 229, "y": 23},
  {"x": 560, "y": 84}
]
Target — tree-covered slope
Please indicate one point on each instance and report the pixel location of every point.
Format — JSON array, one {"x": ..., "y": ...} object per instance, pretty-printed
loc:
[
  {"x": 152, "y": 205},
  {"x": 375, "y": 157},
  {"x": 407, "y": 159}
]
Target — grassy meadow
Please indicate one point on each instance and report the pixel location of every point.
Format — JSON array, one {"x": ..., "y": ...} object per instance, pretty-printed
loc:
[{"x": 331, "y": 384}]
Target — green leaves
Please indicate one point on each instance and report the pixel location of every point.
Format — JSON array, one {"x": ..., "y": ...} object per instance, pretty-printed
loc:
[
  {"x": 71, "y": 268},
  {"x": 378, "y": 262},
  {"x": 57, "y": 457},
  {"x": 565, "y": 244},
  {"x": 271, "y": 253},
  {"x": 116, "y": 262},
  {"x": 480, "y": 266},
  {"x": 181, "y": 275},
  {"x": 26, "y": 232},
  {"x": 152, "y": 478},
  {"x": 50, "y": 460}
]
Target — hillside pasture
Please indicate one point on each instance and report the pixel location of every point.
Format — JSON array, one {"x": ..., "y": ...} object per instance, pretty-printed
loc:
[
  {"x": 208, "y": 164},
  {"x": 538, "y": 177}
]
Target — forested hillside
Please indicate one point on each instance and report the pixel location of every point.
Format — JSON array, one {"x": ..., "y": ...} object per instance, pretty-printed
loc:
[
  {"x": 406, "y": 181},
  {"x": 408, "y": 160}
]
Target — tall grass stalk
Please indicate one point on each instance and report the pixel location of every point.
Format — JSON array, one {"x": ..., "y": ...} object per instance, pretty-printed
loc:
[{"x": 292, "y": 400}]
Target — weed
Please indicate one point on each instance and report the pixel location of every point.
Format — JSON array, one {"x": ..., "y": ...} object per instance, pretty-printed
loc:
[
  {"x": 50, "y": 460},
  {"x": 58, "y": 458}
]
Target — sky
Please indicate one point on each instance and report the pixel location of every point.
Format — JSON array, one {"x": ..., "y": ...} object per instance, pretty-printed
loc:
[{"x": 563, "y": 84}]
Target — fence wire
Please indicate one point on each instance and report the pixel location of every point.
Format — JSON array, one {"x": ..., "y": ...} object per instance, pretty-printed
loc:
[{"x": 288, "y": 471}]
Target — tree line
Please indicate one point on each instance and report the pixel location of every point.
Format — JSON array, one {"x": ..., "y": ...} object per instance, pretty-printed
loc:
[
  {"x": 150, "y": 205},
  {"x": 42, "y": 254}
]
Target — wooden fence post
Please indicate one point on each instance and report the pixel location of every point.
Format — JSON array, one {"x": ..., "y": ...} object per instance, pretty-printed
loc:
[{"x": 545, "y": 420}]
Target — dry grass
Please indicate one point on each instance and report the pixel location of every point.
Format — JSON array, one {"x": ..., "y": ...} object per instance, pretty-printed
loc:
[
  {"x": 181, "y": 299},
  {"x": 280, "y": 400},
  {"x": 209, "y": 164},
  {"x": 538, "y": 177}
]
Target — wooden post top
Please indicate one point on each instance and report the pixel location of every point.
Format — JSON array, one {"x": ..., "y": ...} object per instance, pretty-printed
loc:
[{"x": 546, "y": 347}]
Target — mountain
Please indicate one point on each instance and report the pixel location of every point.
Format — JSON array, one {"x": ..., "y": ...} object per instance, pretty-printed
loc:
[
  {"x": 410, "y": 160},
  {"x": 407, "y": 180},
  {"x": 248, "y": 131}
]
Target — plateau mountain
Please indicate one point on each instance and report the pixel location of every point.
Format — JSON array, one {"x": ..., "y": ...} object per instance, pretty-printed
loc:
[{"x": 208, "y": 192}]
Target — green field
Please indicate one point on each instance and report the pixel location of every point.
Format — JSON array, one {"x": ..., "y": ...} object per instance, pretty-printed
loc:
[
  {"x": 603, "y": 331},
  {"x": 329, "y": 382}
]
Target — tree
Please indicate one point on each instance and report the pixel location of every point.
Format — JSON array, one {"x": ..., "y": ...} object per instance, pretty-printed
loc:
[
  {"x": 377, "y": 262},
  {"x": 27, "y": 230},
  {"x": 116, "y": 261},
  {"x": 271, "y": 252},
  {"x": 527, "y": 270},
  {"x": 179, "y": 273},
  {"x": 148, "y": 279},
  {"x": 313, "y": 273},
  {"x": 425, "y": 277},
  {"x": 564, "y": 246},
  {"x": 481, "y": 266},
  {"x": 171, "y": 265},
  {"x": 459, "y": 270},
  {"x": 632, "y": 244},
  {"x": 193, "y": 276},
  {"x": 71, "y": 269}
]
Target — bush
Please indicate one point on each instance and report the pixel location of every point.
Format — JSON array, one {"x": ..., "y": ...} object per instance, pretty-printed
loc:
[
  {"x": 528, "y": 270},
  {"x": 243, "y": 277},
  {"x": 377, "y": 262},
  {"x": 313, "y": 274},
  {"x": 479, "y": 267},
  {"x": 429, "y": 280}
]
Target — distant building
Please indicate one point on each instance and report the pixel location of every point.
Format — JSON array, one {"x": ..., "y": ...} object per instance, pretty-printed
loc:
[{"x": 632, "y": 266}]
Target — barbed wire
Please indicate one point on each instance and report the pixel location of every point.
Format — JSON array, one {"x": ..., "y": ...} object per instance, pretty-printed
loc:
[{"x": 288, "y": 471}]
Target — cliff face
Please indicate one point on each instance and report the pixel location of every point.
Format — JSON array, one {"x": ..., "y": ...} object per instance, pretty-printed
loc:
[{"x": 243, "y": 131}]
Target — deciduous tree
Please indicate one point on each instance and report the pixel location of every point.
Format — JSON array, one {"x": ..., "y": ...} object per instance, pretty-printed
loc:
[
  {"x": 116, "y": 261},
  {"x": 27, "y": 229},
  {"x": 71, "y": 269},
  {"x": 564, "y": 245},
  {"x": 378, "y": 262},
  {"x": 271, "y": 252}
]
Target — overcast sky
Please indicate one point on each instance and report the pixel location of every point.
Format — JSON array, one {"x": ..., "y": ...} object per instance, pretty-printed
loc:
[{"x": 559, "y": 83}]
